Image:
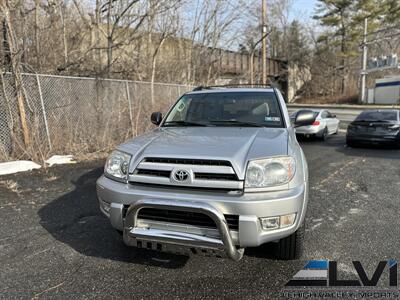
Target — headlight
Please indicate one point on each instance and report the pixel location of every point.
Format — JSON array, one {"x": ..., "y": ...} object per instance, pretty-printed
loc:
[
  {"x": 117, "y": 165},
  {"x": 270, "y": 172}
]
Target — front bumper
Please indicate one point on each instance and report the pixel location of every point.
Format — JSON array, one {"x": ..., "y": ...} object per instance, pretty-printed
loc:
[
  {"x": 309, "y": 130},
  {"x": 126, "y": 200}
]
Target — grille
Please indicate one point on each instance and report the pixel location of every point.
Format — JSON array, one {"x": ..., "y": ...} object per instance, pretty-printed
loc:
[
  {"x": 159, "y": 173},
  {"x": 184, "y": 217},
  {"x": 203, "y": 173},
  {"x": 208, "y": 176},
  {"x": 186, "y": 188},
  {"x": 214, "y": 176}
]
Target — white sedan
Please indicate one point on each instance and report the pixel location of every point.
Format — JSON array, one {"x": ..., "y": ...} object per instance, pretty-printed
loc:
[{"x": 324, "y": 125}]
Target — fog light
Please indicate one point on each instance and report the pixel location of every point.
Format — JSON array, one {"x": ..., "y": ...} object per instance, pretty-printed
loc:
[
  {"x": 270, "y": 223},
  {"x": 287, "y": 220}
]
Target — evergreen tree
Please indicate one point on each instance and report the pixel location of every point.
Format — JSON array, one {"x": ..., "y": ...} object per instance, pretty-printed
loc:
[
  {"x": 392, "y": 12},
  {"x": 297, "y": 45},
  {"x": 338, "y": 15}
]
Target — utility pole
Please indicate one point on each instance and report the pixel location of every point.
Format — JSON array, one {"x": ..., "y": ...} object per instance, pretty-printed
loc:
[
  {"x": 264, "y": 41},
  {"x": 364, "y": 64}
]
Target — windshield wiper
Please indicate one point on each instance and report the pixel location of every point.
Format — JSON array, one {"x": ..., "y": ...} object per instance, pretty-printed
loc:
[
  {"x": 236, "y": 122},
  {"x": 183, "y": 123}
]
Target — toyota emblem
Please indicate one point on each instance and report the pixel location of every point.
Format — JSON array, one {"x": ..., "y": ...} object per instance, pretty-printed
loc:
[{"x": 181, "y": 175}]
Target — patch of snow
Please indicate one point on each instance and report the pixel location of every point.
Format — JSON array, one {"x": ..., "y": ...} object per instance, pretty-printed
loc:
[
  {"x": 354, "y": 211},
  {"x": 317, "y": 220},
  {"x": 12, "y": 167},
  {"x": 60, "y": 160},
  {"x": 315, "y": 226}
]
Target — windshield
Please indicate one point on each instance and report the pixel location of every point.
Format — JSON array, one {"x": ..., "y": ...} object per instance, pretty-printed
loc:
[
  {"x": 252, "y": 109},
  {"x": 377, "y": 116}
]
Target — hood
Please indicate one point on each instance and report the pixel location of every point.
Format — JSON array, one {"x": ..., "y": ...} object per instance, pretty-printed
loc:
[{"x": 234, "y": 144}]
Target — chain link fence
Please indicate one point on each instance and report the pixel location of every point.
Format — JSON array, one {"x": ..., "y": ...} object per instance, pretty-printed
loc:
[{"x": 76, "y": 114}]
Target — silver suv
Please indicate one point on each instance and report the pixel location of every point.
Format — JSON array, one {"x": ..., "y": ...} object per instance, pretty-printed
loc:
[{"x": 222, "y": 171}]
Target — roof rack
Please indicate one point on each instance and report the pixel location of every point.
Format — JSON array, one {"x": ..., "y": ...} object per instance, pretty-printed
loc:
[{"x": 239, "y": 85}]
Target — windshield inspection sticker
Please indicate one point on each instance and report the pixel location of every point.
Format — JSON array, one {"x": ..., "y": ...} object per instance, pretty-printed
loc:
[
  {"x": 272, "y": 119},
  {"x": 181, "y": 107}
]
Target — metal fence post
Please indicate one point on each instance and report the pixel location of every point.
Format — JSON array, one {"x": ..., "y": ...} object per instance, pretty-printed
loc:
[
  {"x": 130, "y": 104},
  {"x": 43, "y": 111}
]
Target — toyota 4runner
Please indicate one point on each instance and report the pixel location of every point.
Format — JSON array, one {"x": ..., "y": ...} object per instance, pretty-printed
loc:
[{"x": 222, "y": 171}]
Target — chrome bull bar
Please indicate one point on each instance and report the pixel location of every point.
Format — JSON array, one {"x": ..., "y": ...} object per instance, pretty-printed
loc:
[{"x": 133, "y": 233}]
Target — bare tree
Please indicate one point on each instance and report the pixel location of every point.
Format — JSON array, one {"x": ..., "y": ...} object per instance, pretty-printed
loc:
[
  {"x": 63, "y": 32},
  {"x": 37, "y": 29},
  {"x": 15, "y": 57},
  {"x": 212, "y": 27},
  {"x": 166, "y": 27}
]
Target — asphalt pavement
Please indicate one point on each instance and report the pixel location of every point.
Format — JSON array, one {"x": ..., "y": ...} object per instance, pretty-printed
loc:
[{"x": 55, "y": 243}]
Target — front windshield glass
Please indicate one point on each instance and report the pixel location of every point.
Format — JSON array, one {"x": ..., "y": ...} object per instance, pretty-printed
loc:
[{"x": 254, "y": 109}]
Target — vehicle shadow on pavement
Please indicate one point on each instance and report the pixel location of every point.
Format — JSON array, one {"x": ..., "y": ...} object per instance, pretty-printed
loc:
[
  {"x": 265, "y": 251},
  {"x": 75, "y": 220}
]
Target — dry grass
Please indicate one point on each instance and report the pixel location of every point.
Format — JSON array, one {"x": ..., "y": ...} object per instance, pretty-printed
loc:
[
  {"x": 11, "y": 185},
  {"x": 83, "y": 139},
  {"x": 51, "y": 178},
  {"x": 92, "y": 116}
]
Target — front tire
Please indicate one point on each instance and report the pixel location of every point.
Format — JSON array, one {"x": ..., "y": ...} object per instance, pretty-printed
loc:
[{"x": 291, "y": 247}]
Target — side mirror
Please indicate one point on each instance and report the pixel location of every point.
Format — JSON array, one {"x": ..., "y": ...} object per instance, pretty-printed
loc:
[
  {"x": 333, "y": 116},
  {"x": 156, "y": 118},
  {"x": 304, "y": 118}
]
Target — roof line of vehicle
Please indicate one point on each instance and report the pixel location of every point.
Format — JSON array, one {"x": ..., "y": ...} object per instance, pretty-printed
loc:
[
  {"x": 230, "y": 90},
  {"x": 234, "y": 85}
]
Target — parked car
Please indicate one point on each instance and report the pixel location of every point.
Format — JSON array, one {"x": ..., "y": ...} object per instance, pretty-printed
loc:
[
  {"x": 380, "y": 127},
  {"x": 324, "y": 124},
  {"x": 222, "y": 171}
]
